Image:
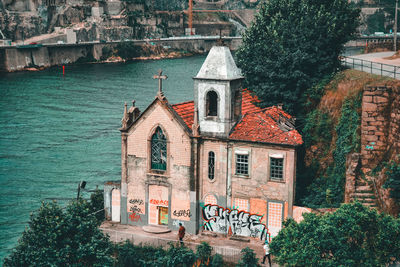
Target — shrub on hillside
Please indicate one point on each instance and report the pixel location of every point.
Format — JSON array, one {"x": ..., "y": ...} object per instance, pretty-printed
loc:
[{"x": 351, "y": 236}]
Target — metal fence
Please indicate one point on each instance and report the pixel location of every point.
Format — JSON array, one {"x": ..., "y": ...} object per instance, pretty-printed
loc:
[
  {"x": 371, "y": 67},
  {"x": 229, "y": 254}
]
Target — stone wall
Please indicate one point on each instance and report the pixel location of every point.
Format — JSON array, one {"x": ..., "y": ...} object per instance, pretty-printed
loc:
[{"x": 380, "y": 138}]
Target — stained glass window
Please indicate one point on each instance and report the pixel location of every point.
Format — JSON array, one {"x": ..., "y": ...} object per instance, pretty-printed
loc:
[
  {"x": 158, "y": 150},
  {"x": 211, "y": 165}
]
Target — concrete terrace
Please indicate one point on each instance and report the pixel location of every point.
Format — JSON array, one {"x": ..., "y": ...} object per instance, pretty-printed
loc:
[{"x": 229, "y": 249}]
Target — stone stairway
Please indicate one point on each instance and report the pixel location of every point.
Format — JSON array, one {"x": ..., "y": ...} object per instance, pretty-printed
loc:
[{"x": 365, "y": 195}]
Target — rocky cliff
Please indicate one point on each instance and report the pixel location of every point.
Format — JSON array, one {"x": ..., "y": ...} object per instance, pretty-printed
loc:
[{"x": 113, "y": 20}]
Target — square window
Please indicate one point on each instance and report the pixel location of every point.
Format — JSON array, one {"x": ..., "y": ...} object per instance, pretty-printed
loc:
[
  {"x": 276, "y": 169},
  {"x": 242, "y": 164}
]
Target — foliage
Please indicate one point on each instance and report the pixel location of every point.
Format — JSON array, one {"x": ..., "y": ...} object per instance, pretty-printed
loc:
[
  {"x": 393, "y": 180},
  {"x": 292, "y": 45},
  {"x": 96, "y": 205},
  {"x": 351, "y": 236},
  {"x": 130, "y": 255},
  {"x": 106, "y": 52},
  {"x": 62, "y": 237},
  {"x": 203, "y": 253},
  {"x": 127, "y": 50},
  {"x": 376, "y": 22},
  {"x": 318, "y": 128},
  {"x": 248, "y": 259},
  {"x": 217, "y": 261},
  {"x": 327, "y": 189}
]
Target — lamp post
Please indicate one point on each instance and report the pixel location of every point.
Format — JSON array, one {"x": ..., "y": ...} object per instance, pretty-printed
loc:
[{"x": 395, "y": 28}]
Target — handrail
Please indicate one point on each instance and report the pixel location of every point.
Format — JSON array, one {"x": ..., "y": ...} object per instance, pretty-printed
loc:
[{"x": 371, "y": 67}]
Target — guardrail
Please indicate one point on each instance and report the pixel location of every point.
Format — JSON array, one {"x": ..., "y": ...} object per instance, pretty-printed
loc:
[
  {"x": 228, "y": 254},
  {"x": 371, "y": 67}
]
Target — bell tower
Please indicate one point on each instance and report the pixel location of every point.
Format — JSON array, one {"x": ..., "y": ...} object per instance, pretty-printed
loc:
[{"x": 218, "y": 93}]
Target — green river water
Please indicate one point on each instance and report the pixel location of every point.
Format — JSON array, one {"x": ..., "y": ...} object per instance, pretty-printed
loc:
[{"x": 57, "y": 130}]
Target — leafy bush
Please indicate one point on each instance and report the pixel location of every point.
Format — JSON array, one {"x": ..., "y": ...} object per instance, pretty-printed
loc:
[
  {"x": 217, "y": 261},
  {"x": 127, "y": 50},
  {"x": 248, "y": 259},
  {"x": 393, "y": 180},
  {"x": 62, "y": 237},
  {"x": 352, "y": 236},
  {"x": 327, "y": 189},
  {"x": 130, "y": 255},
  {"x": 204, "y": 253}
]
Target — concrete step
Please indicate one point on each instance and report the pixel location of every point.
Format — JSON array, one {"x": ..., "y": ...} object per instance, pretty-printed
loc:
[
  {"x": 364, "y": 189},
  {"x": 367, "y": 200},
  {"x": 361, "y": 196}
]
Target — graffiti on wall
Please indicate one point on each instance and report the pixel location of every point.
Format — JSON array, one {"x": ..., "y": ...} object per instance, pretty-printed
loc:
[
  {"x": 219, "y": 219},
  {"x": 159, "y": 202},
  {"x": 135, "y": 205},
  {"x": 182, "y": 213},
  {"x": 135, "y": 217}
]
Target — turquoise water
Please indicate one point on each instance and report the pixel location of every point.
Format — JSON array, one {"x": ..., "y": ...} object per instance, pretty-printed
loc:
[{"x": 57, "y": 130}]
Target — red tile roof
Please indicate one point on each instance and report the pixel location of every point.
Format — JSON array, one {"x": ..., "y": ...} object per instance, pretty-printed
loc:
[
  {"x": 263, "y": 126},
  {"x": 185, "y": 110},
  {"x": 256, "y": 124}
]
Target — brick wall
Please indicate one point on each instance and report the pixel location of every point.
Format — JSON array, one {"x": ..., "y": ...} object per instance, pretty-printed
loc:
[{"x": 380, "y": 136}]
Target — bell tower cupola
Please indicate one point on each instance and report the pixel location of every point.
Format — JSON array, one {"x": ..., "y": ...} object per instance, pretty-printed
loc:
[{"x": 218, "y": 93}]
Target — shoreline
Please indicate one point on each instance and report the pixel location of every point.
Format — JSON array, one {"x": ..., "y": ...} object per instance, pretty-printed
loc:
[{"x": 114, "y": 59}]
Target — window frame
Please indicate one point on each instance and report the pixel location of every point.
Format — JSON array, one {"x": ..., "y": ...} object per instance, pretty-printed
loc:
[
  {"x": 242, "y": 152},
  {"x": 207, "y": 104},
  {"x": 154, "y": 132},
  {"x": 273, "y": 179},
  {"x": 211, "y": 166}
]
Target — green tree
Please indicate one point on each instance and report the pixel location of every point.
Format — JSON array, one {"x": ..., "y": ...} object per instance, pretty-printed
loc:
[
  {"x": 353, "y": 235},
  {"x": 291, "y": 45},
  {"x": 248, "y": 259},
  {"x": 393, "y": 180},
  {"x": 59, "y": 236}
]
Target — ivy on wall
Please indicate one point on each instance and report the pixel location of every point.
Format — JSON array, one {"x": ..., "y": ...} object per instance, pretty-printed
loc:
[{"x": 328, "y": 188}]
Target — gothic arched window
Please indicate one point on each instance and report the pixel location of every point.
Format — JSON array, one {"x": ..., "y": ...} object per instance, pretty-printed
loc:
[
  {"x": 211, "y": 165},
  {"x": 158, "y": 150},
  {"x": 212, "y": 103}
]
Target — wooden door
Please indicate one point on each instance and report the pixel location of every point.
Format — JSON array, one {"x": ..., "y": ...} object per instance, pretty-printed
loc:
[{"x": 162, "y": 215}]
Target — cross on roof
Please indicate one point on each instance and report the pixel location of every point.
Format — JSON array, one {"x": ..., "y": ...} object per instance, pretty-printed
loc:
[{"x": 160, "y": 77}]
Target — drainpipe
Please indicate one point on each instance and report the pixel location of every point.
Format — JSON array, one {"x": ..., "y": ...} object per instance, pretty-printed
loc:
[{"x": 228, "y": 179}]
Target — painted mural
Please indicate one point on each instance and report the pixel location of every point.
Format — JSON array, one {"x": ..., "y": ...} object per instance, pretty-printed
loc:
[{"x": 221, "y": 220}]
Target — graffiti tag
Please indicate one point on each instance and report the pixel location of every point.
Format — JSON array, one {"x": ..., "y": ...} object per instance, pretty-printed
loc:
[
  {"x": 136, "y": 201},
  {"x": 159, "y": 202},
  {"x": 176, "y": 223},
  {"x": 135, "y": 209},
  {"x": 219, "y": 219},
  {"x": 135, "y": 217},
  {"x": 182, "y": 213}
]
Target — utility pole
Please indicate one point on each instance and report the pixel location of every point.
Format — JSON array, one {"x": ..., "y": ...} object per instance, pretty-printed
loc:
[
  {"x": 190, "y": 16},
  {"x": 395, "y": 28}
]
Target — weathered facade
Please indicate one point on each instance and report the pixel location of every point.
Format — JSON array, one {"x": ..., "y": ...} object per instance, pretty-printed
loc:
[{"x": 218, "y": 163}]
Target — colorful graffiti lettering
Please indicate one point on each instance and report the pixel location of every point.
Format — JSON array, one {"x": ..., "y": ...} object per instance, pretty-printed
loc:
[
  {"x": 159, "y": 202},
  {"x": 135, "y": 217},
  {"x": 182, "y": 213},
  {"x": 136, "y": 201},
  {"x": 219, "y": 219}
]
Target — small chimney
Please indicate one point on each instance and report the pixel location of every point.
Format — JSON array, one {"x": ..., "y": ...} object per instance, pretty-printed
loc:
[{"x": 280, "y": 105}]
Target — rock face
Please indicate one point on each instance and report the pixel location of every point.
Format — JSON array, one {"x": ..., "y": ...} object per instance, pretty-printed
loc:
[{"x": 102, "y": 20}]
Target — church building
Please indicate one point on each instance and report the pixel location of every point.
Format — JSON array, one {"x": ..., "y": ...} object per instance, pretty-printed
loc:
[{"x": 219, "y": 163}]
